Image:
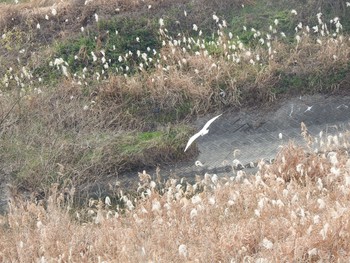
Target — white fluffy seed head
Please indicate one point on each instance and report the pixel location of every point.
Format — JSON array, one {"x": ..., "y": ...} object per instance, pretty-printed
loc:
[
  {"x": 183, "y": 250},
  {"x": 108, "y": 201},
  {"x": 321, "y": 203},
  {"x": 152, "y": 184},
  {"x": 267, "y": 243},
  {"x": 193, "y": 213},
  {"x": 211, "y": 200},
  {"x": 156, "y": 206},
  {"x": 196, "y": 199}
]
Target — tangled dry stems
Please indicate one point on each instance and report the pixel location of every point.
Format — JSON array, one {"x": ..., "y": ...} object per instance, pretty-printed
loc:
[{"x": 295, "y": 209}]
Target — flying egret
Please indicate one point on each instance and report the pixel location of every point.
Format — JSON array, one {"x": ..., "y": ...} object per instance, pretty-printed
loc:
[{"x": 202, "y": 132}]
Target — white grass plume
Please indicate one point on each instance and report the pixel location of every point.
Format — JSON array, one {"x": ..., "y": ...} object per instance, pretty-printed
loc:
[{"x": 202, "y": 132}]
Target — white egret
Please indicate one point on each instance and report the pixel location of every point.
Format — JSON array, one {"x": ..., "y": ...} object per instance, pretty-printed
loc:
[{"x": 202, "y": 132}]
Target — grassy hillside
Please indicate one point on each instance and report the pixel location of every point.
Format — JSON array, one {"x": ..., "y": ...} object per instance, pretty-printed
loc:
[
  {"x": 77, "y": 74},
  {"x": 93, "y": 89}
]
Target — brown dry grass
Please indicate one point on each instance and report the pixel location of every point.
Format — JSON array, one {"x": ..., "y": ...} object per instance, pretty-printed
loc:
[
  {"x": 283, "y": 213},
  {"x": 293, "y": 210}
]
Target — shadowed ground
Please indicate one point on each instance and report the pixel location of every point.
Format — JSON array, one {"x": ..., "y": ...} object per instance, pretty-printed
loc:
[{"x": 255, "y": 132}]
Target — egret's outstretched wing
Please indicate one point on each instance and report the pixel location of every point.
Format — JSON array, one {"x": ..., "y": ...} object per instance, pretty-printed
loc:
[
  {"x": 206, "y": 126},
  {"x": 192, "y": 139}
]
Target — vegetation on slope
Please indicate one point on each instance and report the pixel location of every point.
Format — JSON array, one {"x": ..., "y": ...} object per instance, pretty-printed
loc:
[
  {"x": 72, "y": 70},
  {"x": 93, "y": 89}
]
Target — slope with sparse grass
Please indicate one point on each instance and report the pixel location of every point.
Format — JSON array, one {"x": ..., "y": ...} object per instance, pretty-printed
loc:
[
  {"x": 121, "y": 69},
  {"x": 114, "y": 68}
]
